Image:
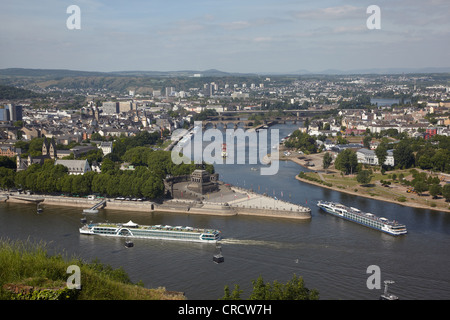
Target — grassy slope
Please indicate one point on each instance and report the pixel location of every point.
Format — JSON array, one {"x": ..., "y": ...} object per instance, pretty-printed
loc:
[{"x": 24, "y": 263}]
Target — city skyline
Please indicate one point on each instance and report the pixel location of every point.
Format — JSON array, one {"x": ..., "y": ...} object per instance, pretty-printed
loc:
[{"x": 246, "y": 37}]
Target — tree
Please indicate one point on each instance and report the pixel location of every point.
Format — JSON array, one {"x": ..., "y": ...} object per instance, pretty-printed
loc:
[
  {"x": 66, "y": 184},
  {"x": 152, "y": 188},
  {"x": 294, "y": 289},
  {"x": 7, "y": 178},
  {"x": 112, "y": 186},
  {"x": 341, "y": 140},
  {"x": 107, "y": 165},
  {"x": 435, "y": 190},
  {"x": 327, "y": 159},
  {"x": 403, "y": 155},
  {"x": 420, "y": 186},
  {"x": 441, "y": 160},
  {"x": 260, "y": 290},
  {"x": 6, "y": 162},
  {"x": 99, "y": 183},
  {"x": 306, "y": 123},
  {"x": 143, "y": 181},
  {"x": 423, "y": 157},
  {"x": 364, "y": 177},
  {"x": 303, "y": 141},
  {"x": 137, "y": 156},
  {"x": 96, "y": 137},
  {"x": 81, "y": 184},
  {"x": 235, "y": 294},
  {"x": 381, "y": 153},
  {"x": 424, "y": 162},
  {"x": 446, "y": 192},
  {"x": 346, "y": 161},
  {"x": 366, "y": 141}
]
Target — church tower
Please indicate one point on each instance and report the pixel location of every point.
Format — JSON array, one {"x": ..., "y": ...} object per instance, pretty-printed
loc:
[
  {"x": 49, "y": 148},
  {"x": 45, "y": 147},
  {"x": 52, "y": 149}
]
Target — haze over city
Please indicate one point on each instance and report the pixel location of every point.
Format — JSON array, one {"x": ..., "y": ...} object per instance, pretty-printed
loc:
[{"x": 233, "y": 36}]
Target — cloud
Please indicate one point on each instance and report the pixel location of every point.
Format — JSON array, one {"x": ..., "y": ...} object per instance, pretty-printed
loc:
[
  {"x": 182, "y": 27},
  {"x": 236, "y": 25},
  {"x": 168, "y": 34},
  {"x": 332, "y": 13},
  {"x": 349, "y": 29},
  {"x": 263, "y": 39}
]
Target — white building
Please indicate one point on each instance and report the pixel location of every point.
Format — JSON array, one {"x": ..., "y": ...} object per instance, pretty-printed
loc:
[
  {"x": 366, "y": 156},
  {"x": 75, "y": 166},
  {"x": 107, "y": 147}
]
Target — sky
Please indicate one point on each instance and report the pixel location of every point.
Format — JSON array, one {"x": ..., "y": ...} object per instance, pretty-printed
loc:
[{"x": 247, "y": 36}]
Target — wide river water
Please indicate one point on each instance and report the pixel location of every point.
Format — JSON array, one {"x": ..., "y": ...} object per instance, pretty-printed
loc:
[{"x": 332, "y": 255}]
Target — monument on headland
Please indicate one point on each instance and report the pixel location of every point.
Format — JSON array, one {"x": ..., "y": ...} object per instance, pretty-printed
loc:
[
  {"x": 194, "y": 186},
  {"x": 203, "y": 182},
  {"x": 201, "y": 192}
]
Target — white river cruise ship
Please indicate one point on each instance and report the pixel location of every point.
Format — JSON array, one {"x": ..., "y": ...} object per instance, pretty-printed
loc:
[
  {"x": 364, "y": 218},
  {"x": 133, "y": 230}
]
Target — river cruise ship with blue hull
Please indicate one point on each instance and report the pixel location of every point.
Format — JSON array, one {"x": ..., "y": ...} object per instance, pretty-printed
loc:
[
  {"x": 133, "y": 230},
  {"x": 364, "y": 218}
]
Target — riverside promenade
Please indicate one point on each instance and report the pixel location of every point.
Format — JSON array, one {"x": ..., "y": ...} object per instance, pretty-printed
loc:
[
  {"x": 228, "y": 201},
  {"x": 231, "y": 200}
]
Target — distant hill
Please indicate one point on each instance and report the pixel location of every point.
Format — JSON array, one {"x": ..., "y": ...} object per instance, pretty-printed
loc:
[
  {"x": 142, "y": 82},
  {"x": 62, "y": 73},
  {"x": 47, "y": 73},
  {"x": 375, "y": 71},
  {"x": 11, "y": 93},
  {"x": 145, "y": 82}
]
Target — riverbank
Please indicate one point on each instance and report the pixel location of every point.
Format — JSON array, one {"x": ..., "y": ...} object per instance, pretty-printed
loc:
[
  {"x": 375, "y": 197},
  {"x": 238, "y": 202},
  {"x": 393, "y": 193}
]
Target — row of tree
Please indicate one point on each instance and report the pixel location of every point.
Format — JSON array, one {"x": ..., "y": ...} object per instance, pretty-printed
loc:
[
  {"x": 408, "y": 153},
  {"x": 422, "y": 182},
  {"x": 294, "y": 289},
  {"x": 432, "y": 154},
  {"x": 146, "y": 180}
]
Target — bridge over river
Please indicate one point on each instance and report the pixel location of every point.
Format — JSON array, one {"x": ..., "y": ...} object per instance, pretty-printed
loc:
[{"x": 234, "y": 119}]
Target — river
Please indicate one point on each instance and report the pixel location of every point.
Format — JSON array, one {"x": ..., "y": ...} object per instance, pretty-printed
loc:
[{"x": 332, "y": 255}]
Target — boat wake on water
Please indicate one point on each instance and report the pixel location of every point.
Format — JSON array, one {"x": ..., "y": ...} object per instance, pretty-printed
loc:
[{"x": 249, "y": 242}]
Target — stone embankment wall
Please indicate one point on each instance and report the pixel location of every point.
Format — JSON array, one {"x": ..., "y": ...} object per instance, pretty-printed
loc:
[
  {"x": 178, "y": 206},
  {"x": 275, "y": 213}
]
